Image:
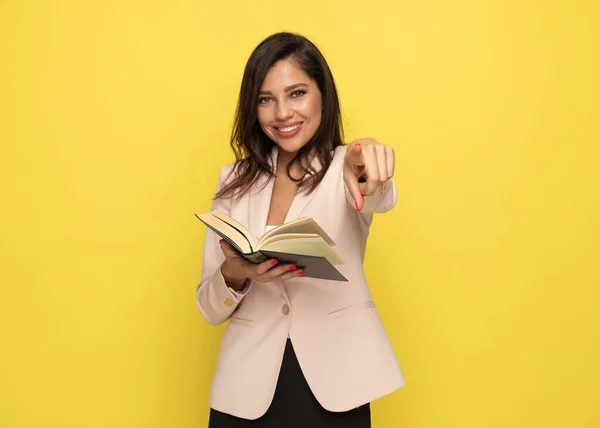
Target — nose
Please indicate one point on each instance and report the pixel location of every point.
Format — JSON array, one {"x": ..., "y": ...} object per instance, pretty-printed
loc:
[{"x": 283, "y": 111}]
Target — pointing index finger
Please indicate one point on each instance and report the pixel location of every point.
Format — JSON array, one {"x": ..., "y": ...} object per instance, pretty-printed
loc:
[{"x": 356, "y": 155}]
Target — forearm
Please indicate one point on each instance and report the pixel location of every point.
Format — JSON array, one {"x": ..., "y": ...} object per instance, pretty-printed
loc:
[
  {"x": 216, "y": 300},
  {"x": 233, "y": 280},
  {"x": 216, "y": 296}
]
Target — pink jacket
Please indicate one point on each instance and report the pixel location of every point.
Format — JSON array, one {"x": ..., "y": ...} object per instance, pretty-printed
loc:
[{"x": 338, "y": 337}]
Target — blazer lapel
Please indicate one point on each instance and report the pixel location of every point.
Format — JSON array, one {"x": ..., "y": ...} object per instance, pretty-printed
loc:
[
  {"x": 260, "y": 200},
  {"x": 301, "y": 199}
]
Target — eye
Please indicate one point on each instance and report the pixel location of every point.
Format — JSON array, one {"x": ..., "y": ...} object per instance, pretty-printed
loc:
[
  {"x": 264, "y": 100},
  {"x": 298, "y": 93}
]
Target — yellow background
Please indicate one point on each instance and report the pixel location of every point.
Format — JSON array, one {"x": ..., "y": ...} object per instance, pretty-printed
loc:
[{"x": 114, "y": 121}]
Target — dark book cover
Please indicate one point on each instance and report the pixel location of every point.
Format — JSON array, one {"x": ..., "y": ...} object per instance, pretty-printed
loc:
[{"x": 313, "y": 266}]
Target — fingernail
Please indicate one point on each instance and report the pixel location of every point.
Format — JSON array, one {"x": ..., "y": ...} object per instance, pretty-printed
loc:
[
  {"x": 301, "y": 274},
  {"x": 274, "y": 262},
  {"x": 362, "y": 194},
  {"x": 356, "y": 203},
  {"x": 292, "y": 267},
  {"x": 357, "y": 144}
]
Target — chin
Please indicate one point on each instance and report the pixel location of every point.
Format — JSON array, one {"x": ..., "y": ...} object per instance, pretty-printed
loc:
[{"x": 290, "y": 145}]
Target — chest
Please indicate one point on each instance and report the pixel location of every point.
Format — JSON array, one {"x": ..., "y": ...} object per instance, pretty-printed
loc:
[{"x": 284, "y": 191}]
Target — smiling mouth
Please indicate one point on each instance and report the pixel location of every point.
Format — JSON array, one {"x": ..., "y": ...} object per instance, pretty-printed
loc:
[{"x": 289, "y": 128}]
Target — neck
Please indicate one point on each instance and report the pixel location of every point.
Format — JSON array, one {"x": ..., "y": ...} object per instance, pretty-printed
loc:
[{"x": 283, "y": 160}]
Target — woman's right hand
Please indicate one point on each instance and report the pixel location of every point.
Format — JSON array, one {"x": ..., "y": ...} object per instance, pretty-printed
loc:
[{"x": 237, "y": 270}]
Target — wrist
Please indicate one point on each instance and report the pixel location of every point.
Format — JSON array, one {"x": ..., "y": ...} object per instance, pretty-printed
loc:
[{"x": 234, "y": 281}]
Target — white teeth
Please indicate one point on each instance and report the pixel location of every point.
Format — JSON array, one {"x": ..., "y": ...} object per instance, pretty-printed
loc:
[{"x": 290, "y": 128}]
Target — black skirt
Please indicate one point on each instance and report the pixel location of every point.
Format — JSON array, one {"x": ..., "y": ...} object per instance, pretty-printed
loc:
[{"x": 295, "y": 406}]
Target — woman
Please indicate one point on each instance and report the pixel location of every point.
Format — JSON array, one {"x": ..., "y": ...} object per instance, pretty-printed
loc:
[{"x": 297, "y": 352}]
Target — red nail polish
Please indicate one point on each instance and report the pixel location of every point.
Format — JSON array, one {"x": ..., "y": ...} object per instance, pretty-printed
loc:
[
  {"x": 292, "y": 267},
  {"x": 274, "y": 262},
  {"x": 358, "y": 144},
  {"x": 356, "y": 203},
  {"x": 301, "y": 274},
  {"x": 362, "y": 194}
]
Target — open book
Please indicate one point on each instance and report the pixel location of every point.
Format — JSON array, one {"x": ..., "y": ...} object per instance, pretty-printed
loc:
[{"x": 301, "y": 242}]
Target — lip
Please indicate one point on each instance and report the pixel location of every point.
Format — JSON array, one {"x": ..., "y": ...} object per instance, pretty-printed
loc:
[{"x": 290, "y": 133}]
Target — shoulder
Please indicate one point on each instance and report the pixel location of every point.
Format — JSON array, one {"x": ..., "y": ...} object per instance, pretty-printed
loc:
[
  {"x": 227, "y": 173},
  {"x": 338, "y": 156},
  {"x": 336, "y": 163},
  {"x": 340, "y": 152}
]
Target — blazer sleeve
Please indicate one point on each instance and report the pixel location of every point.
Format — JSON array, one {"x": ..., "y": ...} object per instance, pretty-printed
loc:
[
  {"x": 383, "y": 200},
  {"x": 216, "y": 301}
]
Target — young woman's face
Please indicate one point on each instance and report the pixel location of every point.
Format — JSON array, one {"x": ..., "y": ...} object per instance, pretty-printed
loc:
[{"x": 289, "y": 106}]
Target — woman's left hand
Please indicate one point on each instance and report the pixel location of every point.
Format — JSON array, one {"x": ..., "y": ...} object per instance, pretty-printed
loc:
[{"x": 366, "y": 158}]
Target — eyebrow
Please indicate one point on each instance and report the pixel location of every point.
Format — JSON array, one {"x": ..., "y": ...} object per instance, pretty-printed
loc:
[{"x": 286, "y": 89}]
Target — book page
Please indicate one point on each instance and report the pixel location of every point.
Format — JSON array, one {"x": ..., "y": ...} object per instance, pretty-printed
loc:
[
  {"x": 237, "y": 225},
  {"x": 310, "y": 245},
  {"x": 304, "y": 225},
  {"x": 226, "y": 232}
]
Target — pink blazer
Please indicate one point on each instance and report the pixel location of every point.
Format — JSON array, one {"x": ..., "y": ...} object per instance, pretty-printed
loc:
[{"x": 338, "y": 337}]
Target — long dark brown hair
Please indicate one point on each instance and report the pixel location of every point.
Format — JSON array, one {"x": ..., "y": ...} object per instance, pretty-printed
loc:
[{"x": 252, "y": 147}]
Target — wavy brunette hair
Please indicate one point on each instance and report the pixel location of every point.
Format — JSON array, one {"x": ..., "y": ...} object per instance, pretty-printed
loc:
[{"x": 252, "y": 147}]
